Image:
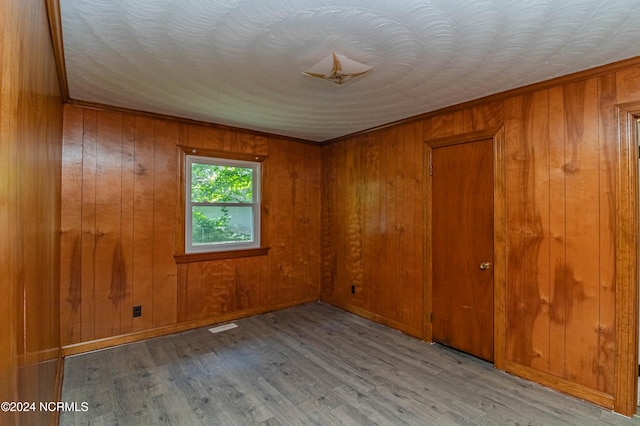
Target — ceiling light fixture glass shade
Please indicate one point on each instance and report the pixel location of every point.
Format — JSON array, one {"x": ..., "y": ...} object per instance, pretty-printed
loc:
[{"x": 337, "y": 68}]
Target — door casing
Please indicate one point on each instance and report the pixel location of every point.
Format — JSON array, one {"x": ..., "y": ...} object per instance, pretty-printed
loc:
[
  {"x": 499, "y": 236},
  {"x": 462, "y": 212},
  {"x": 627, "y": 198}
]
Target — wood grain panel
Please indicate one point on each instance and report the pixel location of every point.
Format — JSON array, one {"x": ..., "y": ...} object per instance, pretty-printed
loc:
[
  {"x": 536, "y": 250},
  {"x": 283, "y": 275},
  {"x": 164, "y": 220},
  {"x": 127, "y": 220},
  {"x": 30, "y": 227},
  {"x": 354, "y": 267},
  {"x": 385, "y": 215},
  {"x": 70, "y": 239},
  {"x": 486, "y": 116},
  {"x": 216, "y": 288},
  {"x": 560, "y": 145},
  {"x": 628, "y": 85},
  {"x": 126, "y": 171},
  {"x": 329, "y": 222},
  {"x": 299, "y": 221},
  {"x": 371, "y": 245},
  {"x": 516, "y": 346},
  {"x": 193, "y": 307},
  {"x": 88, "y": 224},
  {"x": 252, "y": 273},
  {"x": 607, "y": 150},
  {"x": 415, "y": 191},
  {"x": 582, "y": 204},
  {"x": 312, "y": 201},
  {"x": 370, "y": 212},
  {"x": 143, "y": 221},
  {"x": 110, "y": 279},
  {"x": 557, "y": 224}
]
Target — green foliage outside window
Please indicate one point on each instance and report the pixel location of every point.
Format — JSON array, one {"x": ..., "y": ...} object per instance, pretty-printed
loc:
[{"x": 219, "y": 184}]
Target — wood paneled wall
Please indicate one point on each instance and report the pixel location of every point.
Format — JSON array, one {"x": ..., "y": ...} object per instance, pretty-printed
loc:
[
  {"x": 30, "y": 152},
  {"x": 372, "y": 226},
  {"x": 560, "y": 146},
  {"x": 121, "y": 204}
]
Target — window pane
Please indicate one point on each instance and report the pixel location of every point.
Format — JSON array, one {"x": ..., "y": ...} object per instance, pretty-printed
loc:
[
  {"x": 219, "y": 224},
  {"x": 219, "y": 184}
]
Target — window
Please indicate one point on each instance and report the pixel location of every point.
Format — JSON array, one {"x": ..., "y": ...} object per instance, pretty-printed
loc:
[{"x": 222, "y": 204}]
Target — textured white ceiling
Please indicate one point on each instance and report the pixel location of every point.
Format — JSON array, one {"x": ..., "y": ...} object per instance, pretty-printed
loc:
[{"x": 240, "y": 62}]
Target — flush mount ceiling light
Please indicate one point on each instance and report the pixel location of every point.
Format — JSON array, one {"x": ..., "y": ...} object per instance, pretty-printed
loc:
[{"x": 337, "y": 68}]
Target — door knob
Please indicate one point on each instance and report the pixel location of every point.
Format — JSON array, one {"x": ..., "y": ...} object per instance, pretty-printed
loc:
[{"x": 485, "y": 265}]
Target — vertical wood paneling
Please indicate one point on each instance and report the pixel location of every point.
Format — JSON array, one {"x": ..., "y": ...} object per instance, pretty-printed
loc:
[
  {"x": 607, "y": 146},
  {"x": 582, "y": 250},
  {"x": 143, "y": 221},
  {"x": 353, "y": 251},
  {"x": 557, "y": 223},
  {"x": 372, "y": 225},
  {"x": 328, "y": 222},
  {"x": 230, "y": 282},
  {"x": 193, "y": 308},
  {"x": 419, "y": 311},
  {"x": 89, "y": 161},
  {"x": 298, "y": 238},
  {"x": 127, "y": 220},
  {"x": 411, "y": 227},
  {"x": 516, "y": 199},
  {"x": 250, "y": 291},
  {"x": 30, "y": 226},
  {"x": 286, "y": 181},
  {"x": 372, "y": 243},
  {"x": 387, "y": 217},
  {"x": 312, "y": 202},
  {"x": 536, "y": 255},
  {"x": 109, "y": 281},
  {"x": 208, "y": 290},
  {"x": 183, "y": 292},
  {"x": 164, "y": 222},
  {"x": 126, "y": 175},
  {"x": 398, "y": 233},
  {"x": 560, "y": 145},
  {"x": 70, "y": 239}
]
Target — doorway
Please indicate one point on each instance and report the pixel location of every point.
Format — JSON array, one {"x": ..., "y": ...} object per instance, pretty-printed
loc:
[
  {"x": 462, "y": 235},
  {"x": 485, "y": 148}
]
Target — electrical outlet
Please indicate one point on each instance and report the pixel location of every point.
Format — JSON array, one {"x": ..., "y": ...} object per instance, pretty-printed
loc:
[
  {"x": 353, "y": 289},
  {"x": 137, "y": 311}
]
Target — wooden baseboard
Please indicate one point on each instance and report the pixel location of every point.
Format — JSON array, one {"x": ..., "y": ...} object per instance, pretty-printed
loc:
[
  {"x": 122, "y": 339},
  {"x": 560, "y": 384},
  {"x": 415, "y": 332}
]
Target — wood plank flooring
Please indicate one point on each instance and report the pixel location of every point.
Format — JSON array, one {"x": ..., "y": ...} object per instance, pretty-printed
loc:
[{"x": 311, "y": 364}]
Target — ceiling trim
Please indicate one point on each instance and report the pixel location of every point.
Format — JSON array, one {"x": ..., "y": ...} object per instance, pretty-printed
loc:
[
  {"x": 562, "y": 80},
  {"x": 104, "y": 107},
  {"x": 55, "y": 28}
]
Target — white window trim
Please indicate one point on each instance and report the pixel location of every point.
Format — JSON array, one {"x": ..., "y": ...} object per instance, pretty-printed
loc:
[{"x": 256, "y": 166}]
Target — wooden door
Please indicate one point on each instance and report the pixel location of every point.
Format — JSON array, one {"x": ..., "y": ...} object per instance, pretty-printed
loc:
[{"x": 462, "y": 241}]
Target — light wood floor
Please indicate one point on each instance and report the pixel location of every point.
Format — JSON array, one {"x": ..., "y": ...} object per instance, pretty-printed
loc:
[{"x": 312, "y": 364}]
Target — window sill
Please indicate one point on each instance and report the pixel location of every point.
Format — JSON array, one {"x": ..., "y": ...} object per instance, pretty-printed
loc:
[{"x": 219, "y": 255}]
